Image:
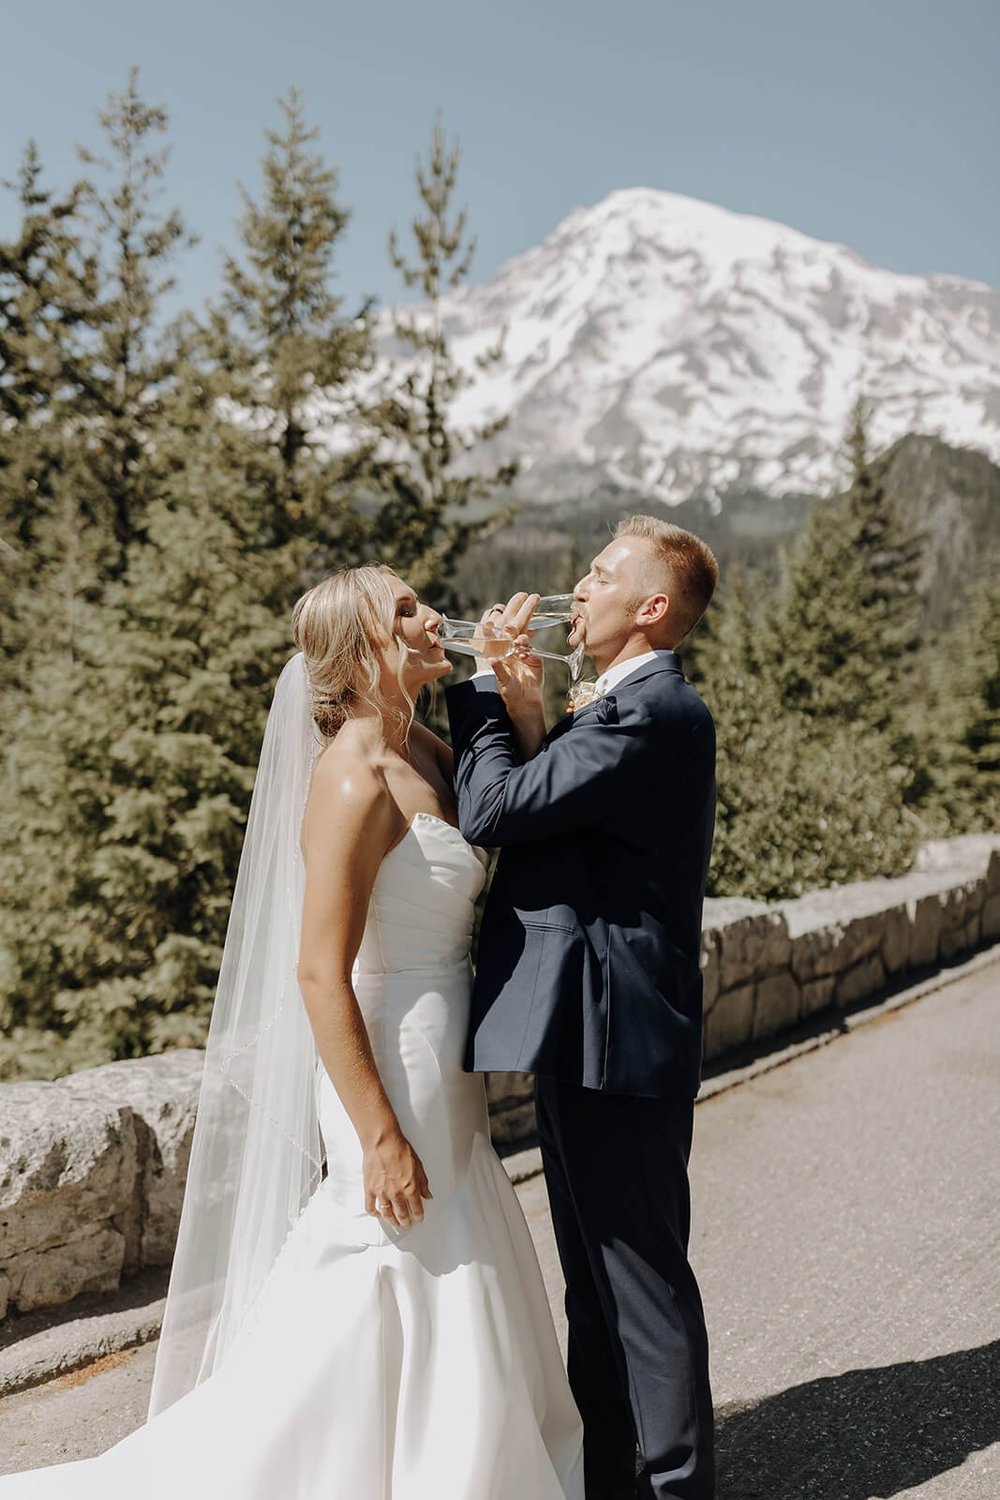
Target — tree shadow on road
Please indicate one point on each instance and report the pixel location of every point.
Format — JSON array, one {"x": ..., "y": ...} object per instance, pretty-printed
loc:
[{"x": 862, "y": 1434}]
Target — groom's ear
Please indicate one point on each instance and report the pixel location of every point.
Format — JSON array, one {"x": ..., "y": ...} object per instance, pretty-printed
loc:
[{"x": 653, "y": 611}]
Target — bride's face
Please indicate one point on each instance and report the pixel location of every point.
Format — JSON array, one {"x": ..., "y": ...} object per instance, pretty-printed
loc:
[{"x": 414, "y": 637}]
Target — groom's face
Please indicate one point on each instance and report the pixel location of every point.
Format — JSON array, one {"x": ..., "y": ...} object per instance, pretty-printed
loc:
[{"x": 605, "y": 599}]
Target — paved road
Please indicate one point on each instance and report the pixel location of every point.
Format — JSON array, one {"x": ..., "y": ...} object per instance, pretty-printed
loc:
[{"x": 847, "y": 1237}]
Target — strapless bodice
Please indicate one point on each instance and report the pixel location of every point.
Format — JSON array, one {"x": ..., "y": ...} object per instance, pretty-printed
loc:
[
  {"x": 421, "y": 909},
  {"x": 412, "y": 980}
]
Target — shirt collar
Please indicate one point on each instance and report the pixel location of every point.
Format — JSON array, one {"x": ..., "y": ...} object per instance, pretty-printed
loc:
[{"x": 617, "y": 674}]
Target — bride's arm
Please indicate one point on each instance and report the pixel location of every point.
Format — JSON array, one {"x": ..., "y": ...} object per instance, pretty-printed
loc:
[{"x": 350, "y": 823}]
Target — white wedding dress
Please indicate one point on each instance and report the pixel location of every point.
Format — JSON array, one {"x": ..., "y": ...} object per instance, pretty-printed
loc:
[{"x": 419, "y": 1364}]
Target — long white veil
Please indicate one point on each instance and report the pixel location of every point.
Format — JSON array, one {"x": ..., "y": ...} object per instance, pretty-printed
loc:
[{"x": 256, "y": 1158}]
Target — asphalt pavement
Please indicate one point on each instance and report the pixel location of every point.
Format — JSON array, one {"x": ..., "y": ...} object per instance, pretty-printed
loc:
[{"x": 847, "y": 1240}]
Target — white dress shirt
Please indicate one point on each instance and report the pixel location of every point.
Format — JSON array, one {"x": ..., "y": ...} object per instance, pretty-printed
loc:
[
  {"x": 613, "y": 677},
  {"x": 616, "y": 675}
]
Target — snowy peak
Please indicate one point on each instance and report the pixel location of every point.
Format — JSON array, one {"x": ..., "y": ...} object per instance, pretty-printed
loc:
[
  {"x": 632, "y": 217},
  {"x": 674, "y": 347}
]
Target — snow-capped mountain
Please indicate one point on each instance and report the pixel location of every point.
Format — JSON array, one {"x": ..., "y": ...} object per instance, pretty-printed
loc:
[{"x": 674, "y": 348}]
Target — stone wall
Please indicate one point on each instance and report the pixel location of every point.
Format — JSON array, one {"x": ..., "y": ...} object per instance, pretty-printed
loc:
[
  {"x": 767, "y": 968},
  {"x": 92, "y": 1174},
  {"x": 92, "y": 1167}
]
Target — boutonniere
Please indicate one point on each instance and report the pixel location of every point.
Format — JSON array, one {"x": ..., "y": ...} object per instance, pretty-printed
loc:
[{"x": 580, "y": 694}]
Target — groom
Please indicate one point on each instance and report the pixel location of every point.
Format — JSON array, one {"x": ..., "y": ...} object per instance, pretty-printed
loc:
[{"x": 588, "y": 976}]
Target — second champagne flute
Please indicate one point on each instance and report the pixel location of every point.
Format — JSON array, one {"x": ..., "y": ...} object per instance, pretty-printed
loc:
[{"x": 552, "y": 609}]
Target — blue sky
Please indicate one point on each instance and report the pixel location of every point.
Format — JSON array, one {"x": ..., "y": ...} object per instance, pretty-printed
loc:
[{"x": 871, "y": 122}]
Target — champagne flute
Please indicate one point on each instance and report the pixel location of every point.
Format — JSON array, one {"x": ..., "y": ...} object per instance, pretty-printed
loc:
[
  {"x": 480, "y": 638},
  {"x": 559, "y": 609},
  {"x": 552, "y": 609}
]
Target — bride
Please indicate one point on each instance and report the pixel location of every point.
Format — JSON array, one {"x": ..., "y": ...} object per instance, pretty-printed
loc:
[{"x": 355, "y": 1309}]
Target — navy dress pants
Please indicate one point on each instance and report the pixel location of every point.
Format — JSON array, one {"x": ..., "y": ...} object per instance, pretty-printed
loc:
[{"x": 616, "y": 1172}]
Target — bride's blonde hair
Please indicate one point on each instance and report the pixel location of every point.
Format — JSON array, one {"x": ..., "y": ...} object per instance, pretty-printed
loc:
[{"x": 341, "y": 627}]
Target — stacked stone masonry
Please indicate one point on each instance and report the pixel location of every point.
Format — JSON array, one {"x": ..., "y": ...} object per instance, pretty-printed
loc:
[{"x": 92, "y": 1167}]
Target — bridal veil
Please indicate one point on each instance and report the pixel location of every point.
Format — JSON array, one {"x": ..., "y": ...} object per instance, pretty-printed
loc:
[{"x": 256, "y": 1157}]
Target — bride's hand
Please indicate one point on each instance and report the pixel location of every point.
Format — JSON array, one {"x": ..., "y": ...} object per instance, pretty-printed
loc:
[
  {"x": 521, "y": 675},
  {"x": 395, "y": 1181}
]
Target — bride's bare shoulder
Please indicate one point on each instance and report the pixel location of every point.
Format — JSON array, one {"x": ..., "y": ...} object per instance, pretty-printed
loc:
[
  {"x": 349, "y": 776},
  {"x": 356, "y": 741}
]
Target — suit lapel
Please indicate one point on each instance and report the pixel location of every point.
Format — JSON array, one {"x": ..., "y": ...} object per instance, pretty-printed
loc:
[
  {"x": 604, "y": 706},
  {"x": 669, "y": 662}
]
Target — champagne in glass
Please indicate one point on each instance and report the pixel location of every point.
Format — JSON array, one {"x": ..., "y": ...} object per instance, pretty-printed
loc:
[
  {"x": 559, "y": 609},
  {"x": 480, "y": 638},
  {"x": 483, "y": 639}
]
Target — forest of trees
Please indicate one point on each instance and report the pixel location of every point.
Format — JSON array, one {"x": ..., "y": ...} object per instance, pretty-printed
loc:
[{"x": 168, "y": 486}]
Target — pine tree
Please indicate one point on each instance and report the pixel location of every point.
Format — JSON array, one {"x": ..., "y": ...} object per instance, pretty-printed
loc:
[
  {"x": 46, "y": 288},
  {"x": 47, "y": 297},
  {"x": 95, "y": 432},
  {"x": 981, "y": 729},
  {"x": 132, "y": 365},
  {"x": 959, "y": 722},
  {"x": 434, "y": 495},
  {"x": 848, "y": 624},
  {"x": 133, "y": 761},
  {"x": 284, "y": 356},
  {"x": 133, "y": 752},
  {"x": 803, "y": 801},
  {"x": 82, "y": 296}
]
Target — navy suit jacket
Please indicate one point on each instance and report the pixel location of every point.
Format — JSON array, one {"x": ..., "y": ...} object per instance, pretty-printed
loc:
[{"x": 589, "y": 951}]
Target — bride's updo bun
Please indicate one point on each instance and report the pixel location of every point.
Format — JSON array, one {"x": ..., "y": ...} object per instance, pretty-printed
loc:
[{"x": 341, "y": 626}]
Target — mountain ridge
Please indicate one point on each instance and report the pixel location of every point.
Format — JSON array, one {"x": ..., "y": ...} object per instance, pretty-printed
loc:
[
  {"x": 673, "y": 348},
  {"x": 948, "y": 496}
]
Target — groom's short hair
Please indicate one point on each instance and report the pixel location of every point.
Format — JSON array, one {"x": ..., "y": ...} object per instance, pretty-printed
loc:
[{"x": 686, "y": 568}]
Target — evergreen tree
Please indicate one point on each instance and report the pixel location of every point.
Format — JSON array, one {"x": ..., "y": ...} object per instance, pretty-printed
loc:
[
  {"x": 803, "y": 801},
  {"x": 434, "y": 495},
  {"x": 848, "y": 624},
  {"x": 47, "y": 295},
  {"x": 283, "y": 355},
  {"x": 84, "y": 375},
  {"x": 133, "y": 761},
  {"x": 133, "y": 752},
  {"x": 131, "y": 365},
  {"x": 97, "y": 375},
  {"x": 959, "y": 722},
  {"x": 979, "y": 684}
]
